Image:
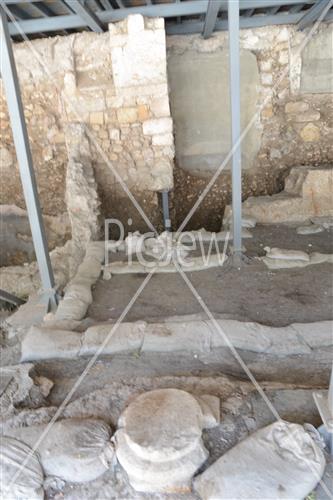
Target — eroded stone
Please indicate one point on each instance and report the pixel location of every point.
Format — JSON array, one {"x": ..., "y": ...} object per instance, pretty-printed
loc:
[{"x": 159, "y": 440}]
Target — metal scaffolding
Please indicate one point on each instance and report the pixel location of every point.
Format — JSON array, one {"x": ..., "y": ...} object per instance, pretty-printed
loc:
[{"x": 24, "y": 158}]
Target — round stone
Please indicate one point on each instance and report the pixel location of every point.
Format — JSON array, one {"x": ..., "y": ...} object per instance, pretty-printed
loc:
[{"x": 159, "y": 441}]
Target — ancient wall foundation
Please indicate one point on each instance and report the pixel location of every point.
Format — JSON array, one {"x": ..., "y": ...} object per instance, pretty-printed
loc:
[{"x": 118, "y": 86}]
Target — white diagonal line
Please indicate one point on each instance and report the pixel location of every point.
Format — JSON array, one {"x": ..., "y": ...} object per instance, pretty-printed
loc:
[
  {"x": 251, "y": 123},
  {"x": 248, "y": 372},
  {"x": 78, "y": 116},
  {"x": 81, "y": 377}
]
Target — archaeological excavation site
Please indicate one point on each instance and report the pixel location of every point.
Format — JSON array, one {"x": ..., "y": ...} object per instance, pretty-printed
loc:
[{"x": 166, "y": 271}]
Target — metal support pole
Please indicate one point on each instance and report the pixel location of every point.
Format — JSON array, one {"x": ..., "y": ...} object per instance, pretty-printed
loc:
[
  {"x": 234, "y": 71},
  {"x": 165, "y": 207},
  {"x": 24, "y": 158}
]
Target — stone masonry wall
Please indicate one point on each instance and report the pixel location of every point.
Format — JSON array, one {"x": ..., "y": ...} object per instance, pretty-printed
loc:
[
  {"x": 113, "y": 84},
  {"x": 294, "y": 120}
]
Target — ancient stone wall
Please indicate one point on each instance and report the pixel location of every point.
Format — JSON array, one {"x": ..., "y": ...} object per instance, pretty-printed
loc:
[
  {"x": 287, "y": 103},
  {"x": 114, "y": 85}
]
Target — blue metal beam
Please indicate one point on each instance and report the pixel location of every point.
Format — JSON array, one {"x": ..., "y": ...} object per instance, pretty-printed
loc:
[
  {"x": 211, "y": 17},
  {"x": 255, "y": 21},
  {"x": 24, "y": 158},
  {"x": 234, "y": 74},
  {"x": 314, "y": 13},
  {"x": 175, "y": 9},
  {"x": 87, "y": 15}
]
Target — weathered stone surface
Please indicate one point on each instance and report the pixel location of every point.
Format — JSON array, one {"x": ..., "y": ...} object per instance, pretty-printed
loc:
[
  {"x": 265, "y": 464},
  {"x": 296, "y": 107},
  {"x": 317, "y": 64},
  {"x": 159, "y": 441},
  {"x": 200, "y": 113},
  {"x": 181, "y": 335},
  {"x": 312, "y": 229},
  {"x": 310, "y": 133},
  {"x": 307, "y": 194}
]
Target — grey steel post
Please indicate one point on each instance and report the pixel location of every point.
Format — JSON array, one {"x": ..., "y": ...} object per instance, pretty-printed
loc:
[
  {"x": 234, "y": 72},
  {"x": 24, "y": 158}
]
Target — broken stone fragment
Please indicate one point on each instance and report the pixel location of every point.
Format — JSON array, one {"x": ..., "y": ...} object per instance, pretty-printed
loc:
[
  {"x": 159, "y": 442},
  {"x": 281, "y": 460},
  {"x": 312, "y": 229},
  {"x": 282, "y": 254},
  {"x": 76, "y": 450},
  {"x": 20, "y": 387}
]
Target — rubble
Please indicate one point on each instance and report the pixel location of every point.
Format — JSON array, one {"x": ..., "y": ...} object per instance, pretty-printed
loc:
[{"x": 307, "y": 194}]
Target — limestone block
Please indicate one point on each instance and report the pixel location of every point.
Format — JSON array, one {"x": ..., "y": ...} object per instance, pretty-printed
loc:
[
  {"x": 307, "y": 116},
  {"x": 157, "y": 126},
  {"x": 160, "y": 107},
  {"x": 159, "y": 442},
  {"x": 310, "y": 133},
  {"x": 162, "y": 140},
  {"x": 312, "y": 229},
  {"x": 96, "y": 118},
  {"x": 281, "y": 457},
  {"x": 296, "y": 107},
  {"x": 127, "y": 115},
  {"x": 307, "y": 194},
  {"x": 44, "y": 343},
  {"x": 139, "y": 58}
]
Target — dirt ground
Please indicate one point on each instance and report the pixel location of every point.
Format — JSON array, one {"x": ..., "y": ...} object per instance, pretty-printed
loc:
[{"x": 251, "y": 293}]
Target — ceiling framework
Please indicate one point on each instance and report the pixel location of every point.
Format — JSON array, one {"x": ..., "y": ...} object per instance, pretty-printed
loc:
[{"x": 44, "y": 18}]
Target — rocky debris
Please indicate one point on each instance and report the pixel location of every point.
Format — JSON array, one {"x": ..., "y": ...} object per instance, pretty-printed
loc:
[
  {"x": 158, "y": 441},
  {"x": 247, "y": 222},
  {"x": 278, "y": 253},
  {"x": 21, "y": 387},
  {"x": 307, "y": 194},
  {"x": 20, "y": 471},
  {"x": 312, "y": 229},
  {"x": 195, "y": 336},
  {"x": 281, "y": 460},
  {"x": 78, "y": 295},
  {"x": 277, "y": 258},
  {"x": 170, "y": 264},
  {"x": 326, "y": 222},
  {"x": 75, "y": 450}
]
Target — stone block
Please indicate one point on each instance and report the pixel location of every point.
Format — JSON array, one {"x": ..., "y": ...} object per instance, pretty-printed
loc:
[
  {"x": 157, "y": 126},
  {"x": 160, "y": 107},
  {"x": 296, "y": 107},
  {"x": 307, "y": 116},
  {"x": 135, "y": 24},
  {"x": 162, "y": 140},
  {"x": 143, "y": 112},
  {"x": 307, "y": 194},
  {"x": 96, "y": 118},
  {"x": 127, "y": 115},
  {"x": 114, "y": 134},
  {"x": 310, "y": 133}
]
